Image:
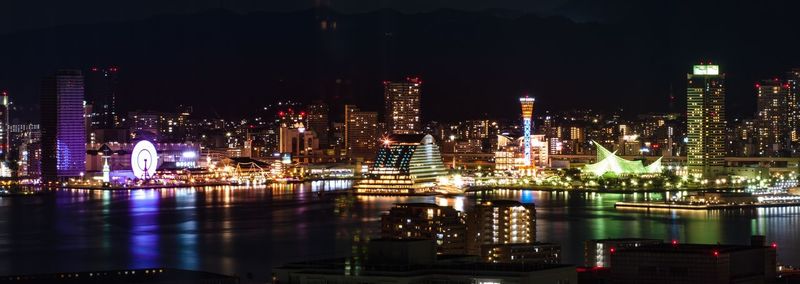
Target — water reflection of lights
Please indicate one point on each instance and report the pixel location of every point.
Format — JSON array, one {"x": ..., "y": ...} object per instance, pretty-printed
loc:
[
  {"x": 457, "y": 202},
  {"x": 144, "y": 206}
]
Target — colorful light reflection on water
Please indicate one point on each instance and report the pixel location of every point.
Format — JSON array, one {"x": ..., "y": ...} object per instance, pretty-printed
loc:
[{"x": 236, "y": 230}]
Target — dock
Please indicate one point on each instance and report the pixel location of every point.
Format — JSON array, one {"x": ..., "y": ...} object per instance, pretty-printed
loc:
[{"x": 686, "y": 206}]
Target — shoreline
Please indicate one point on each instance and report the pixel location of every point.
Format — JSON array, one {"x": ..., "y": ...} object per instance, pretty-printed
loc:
[{"x": 650, "y": 205}]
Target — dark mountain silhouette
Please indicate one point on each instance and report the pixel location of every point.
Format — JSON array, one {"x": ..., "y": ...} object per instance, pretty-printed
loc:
[{"x": 472, "y": 63}]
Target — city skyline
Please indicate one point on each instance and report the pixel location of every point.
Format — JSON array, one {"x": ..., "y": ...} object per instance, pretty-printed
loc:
[{"x": 411, "y": 142}]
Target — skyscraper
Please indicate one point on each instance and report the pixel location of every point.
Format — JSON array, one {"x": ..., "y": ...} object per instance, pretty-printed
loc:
[
  {"x": 318, "y": 122},
  {"x": 361, "y": 137},
  {"x": 62, "y": 125},
  {"x": 527, "y": 115},
  {"x": 101, "y": 94},
  {"x": 773, "y": 117},
  {"x": 705, "y": 114},
  {"x": 5, "y": 142},
  {"x": 793, "y": 112},
  {"x": 402, "y": 102}
]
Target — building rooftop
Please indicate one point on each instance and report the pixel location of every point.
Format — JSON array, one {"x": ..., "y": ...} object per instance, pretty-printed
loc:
[
  {"x": 455, "y": 268},
  {"x": 690, "y": 248},
  {"x": 406, "y": 138},
  {"x": 623, "y": 240},
  {"x": 418, "y": 204},
  {"x": 503, "y": 202}
]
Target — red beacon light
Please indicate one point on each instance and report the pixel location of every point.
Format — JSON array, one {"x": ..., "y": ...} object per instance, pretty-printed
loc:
[
  {"x": 674, "y": 242},
  {"x": 774, "y": 245},
  {"x": 612, "y": 250},
  {"x": 716, "y": 253}
]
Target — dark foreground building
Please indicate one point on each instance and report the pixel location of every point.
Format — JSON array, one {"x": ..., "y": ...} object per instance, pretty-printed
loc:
[
  {"x": 694, "y": 263},
  {"x": 415, "y": 261},
  {"x": 597, "y": 253},
  {"x": 148, "y": 275},
  {"x": 427, "y": 221}
]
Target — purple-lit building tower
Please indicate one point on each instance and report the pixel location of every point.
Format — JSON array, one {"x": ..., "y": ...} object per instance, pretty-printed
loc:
[{"x": 62, "y": 126}]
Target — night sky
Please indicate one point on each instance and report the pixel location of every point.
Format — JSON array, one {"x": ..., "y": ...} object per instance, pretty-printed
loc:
[{"x": 229, "y": 58}]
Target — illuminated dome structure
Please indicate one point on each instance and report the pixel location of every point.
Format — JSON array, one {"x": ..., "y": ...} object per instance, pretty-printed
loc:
[
  {"x": 144, "y": 159},
  {"x": 609, "y": 163}
]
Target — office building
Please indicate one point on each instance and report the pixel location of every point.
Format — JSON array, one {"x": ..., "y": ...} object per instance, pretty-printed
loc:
[
  {"x": 443, "y": 224},
  {"x": 5, "y": 132},
  {"x": 476, "y": 129},
  {"x": 415, "y": 262},
  {"x": 694, "y": 263},
  {"x": 405, "y": 164},
  {"x": 773, "y": 118},
  {"x": 299, "y": 142},
  {"x": 539, "y": 151},
  {"x": 144, "y": 124},
  {"x": 597, "y": 253},
  {"x": 317, "y": 121},
  {"x": 360, "y": 130},
  {"x": 508, "y": 156},
  {"x": 101, "y": 97},
  {"x": 706, "y": 121},
  {"x": 62, "y": 126},
  {"x": 500, "y": 222},
  {"x": 793, "y": 104},
  {"x": 402, "y": 106}
]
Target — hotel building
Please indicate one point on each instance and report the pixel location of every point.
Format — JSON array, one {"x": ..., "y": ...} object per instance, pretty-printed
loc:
[
  {"x": 706, "y": 121},
  {"x": 405, "y": 164}
]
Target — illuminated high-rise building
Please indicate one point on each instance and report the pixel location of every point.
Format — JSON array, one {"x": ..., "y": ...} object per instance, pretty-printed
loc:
[
  {"x": 5, "y": 134},
  {"x": 706, "y": 121},
  {"x": 527, "y": 116},
  {"x": 773, "y": 117},
  {"x": 793, "y": 104},
  {"x": 62, "y": 126},
  {"x": 318, "y": 122},
  {"x": 402, "y": 103},
  {"x": 500, "y": 222},
  {"x": 361, "y": 136}
]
